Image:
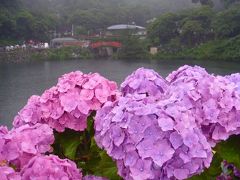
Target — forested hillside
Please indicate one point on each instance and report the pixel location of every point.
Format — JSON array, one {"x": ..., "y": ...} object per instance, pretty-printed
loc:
[
  {"x": 36, "y": 19},
  {"x": 202, "y": 33},
  {"x": 18, "y": 23},
  {"x": 22, "y": 20}
]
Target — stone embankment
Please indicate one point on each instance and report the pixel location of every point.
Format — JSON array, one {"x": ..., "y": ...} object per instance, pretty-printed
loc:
[{"x": 19, "y": 55}]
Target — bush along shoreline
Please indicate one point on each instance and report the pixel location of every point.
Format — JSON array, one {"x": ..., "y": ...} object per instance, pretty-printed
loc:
[
  {"x": 225, "y": 49},
  {"x": 65, "y": 53}
]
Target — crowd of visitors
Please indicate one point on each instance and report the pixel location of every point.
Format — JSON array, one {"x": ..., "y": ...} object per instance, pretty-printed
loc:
[{"x": 25, "y": 46}]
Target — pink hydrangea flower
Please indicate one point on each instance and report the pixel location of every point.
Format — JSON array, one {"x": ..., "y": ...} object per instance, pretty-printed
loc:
[
  {"x": 19, "y": 145},
  {"x": 30, "y": 114},
  {"x": 69, "y": 103},
  {"x": 8, "y": 173},
  {"x": 50, "y": 167}
]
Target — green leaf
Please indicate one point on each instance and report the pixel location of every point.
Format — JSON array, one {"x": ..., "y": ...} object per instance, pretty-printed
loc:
[
  {"x": 213, "y": 171},
  {"x": 66, "y": 144},
  {"x": 82, "y": 148},
  {"x": 70, "y": 148},
  {"x": 106, "y": 167},
  {"x": 92, "y": 159},
  {"x": 229, "y": 150},
  {"x": 100, "y": 164},
  {"x": 90, "y": 125}
]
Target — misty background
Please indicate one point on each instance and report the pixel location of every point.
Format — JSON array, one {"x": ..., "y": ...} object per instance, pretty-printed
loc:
[
  {"x": 35, "y": 19},
  {"x": 197, "y": 29}
]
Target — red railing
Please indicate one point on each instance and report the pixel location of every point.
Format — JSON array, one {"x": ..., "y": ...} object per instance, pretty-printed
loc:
[{"x": 105, "y": 44}]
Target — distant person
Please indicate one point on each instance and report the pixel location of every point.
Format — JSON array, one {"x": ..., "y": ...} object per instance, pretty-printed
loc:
[
  {"x": 24, "y": 46},
  {"x": 46, "y": 45}
]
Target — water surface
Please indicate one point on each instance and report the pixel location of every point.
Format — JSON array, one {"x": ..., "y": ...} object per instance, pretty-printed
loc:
[{"x": 20, "y": 81}]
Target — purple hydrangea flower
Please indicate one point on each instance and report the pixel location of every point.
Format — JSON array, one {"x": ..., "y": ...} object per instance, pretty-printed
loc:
[
  {"x": 145, "y": 81},
  {"x": 50, "y": 167},
  {"x": 214, "y": 101},
  {"x": 69, "y": 103},
  {"x": 149, "y": 143},
  {"x": 235, "y": 78}
]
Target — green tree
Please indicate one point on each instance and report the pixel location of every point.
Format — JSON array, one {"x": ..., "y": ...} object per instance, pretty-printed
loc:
[
  {"x": 25, "y": 25},
  {"x": 228, "y": 3},
  {"x": 80, "y": 30},
  {"x": 192, "y": 32},
  {"x": 204, "y": 2},
  {"x": 41, "y": 27},
  {"x": 226, "y": 24},
  {"x": 163, "y": 29},
  {"x": 7, "y": 24},
  {"x": 133, "y": 48},
  {"x": 13, "y": 4},
  {"x": 196, "y": 26},
  {"x": 203, "y": 15},
  {"x": 84, "y": 18},
  {"x": 191, "y": 27}
]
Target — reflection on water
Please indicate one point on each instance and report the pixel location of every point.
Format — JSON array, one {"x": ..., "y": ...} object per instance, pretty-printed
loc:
[{"x": 20, "y": 81}]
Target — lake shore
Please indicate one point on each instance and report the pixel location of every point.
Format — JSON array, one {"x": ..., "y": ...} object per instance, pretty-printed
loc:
[
  {"x": 224, "y": 49},
  {"x": 213, "y": 51},
  {"x": 16, "y": 56},
  {"x": 26, "y": 55}
]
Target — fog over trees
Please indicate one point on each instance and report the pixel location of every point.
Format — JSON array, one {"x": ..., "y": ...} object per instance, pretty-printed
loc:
[
  {"x": 106, "y": 11},
  {"x": 36, "y": 19}
]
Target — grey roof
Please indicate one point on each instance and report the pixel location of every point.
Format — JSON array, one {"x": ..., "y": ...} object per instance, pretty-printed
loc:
[
  {"x": 125, "y": 26},
  {"x": 67, "y": 39}
]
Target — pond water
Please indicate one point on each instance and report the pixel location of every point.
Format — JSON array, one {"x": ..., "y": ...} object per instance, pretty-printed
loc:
[{"x": 21, "y": 80}]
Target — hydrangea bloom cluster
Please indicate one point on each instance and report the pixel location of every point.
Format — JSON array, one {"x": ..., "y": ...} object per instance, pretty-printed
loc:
[
  {"x": 50, "y": 167},
  {"x": 148, "y": 143},
  {"x": 30, "y": 114},
  {"x": 145, "y": 81},
  {"x": 235, "y": 78},
  {"x": 69, "y": 103},
  {"x": 214, "y": 101},
  {"x": 189, "y": 113},
  {"x": 19, "y": 145},
  {"x": 8, "y": 173},
  {"x": 157, "y": 129}
]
